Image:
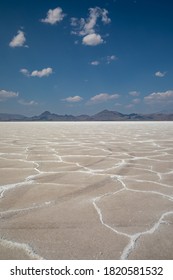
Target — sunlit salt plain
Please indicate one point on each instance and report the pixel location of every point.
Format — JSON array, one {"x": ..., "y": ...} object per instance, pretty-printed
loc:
[{"x": 99, "y": 190}]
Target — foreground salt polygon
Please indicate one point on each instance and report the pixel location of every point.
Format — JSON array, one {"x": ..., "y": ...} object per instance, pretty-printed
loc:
[{"x": 99, "y": 190}]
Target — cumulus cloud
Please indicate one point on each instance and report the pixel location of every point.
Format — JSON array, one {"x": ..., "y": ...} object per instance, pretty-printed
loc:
[
  {"x": 103, "y": 97},
  {"x": 160, "y": 74},
  {"x": 111, "y": 58},
  {"x": 107, "y": 59},
  {"x": 74, "y": 21},
  {"x": 94, "y": 15},
  {"x": 157, "y": 97},
  {"x": 25, "y": 72},
  {"x": 18, "y": 40},
  {"x": 134, "y": 93},
  {"x": 104, "y": 15},
  {"x": 92, "y": 40},
  {"x": 86, "y": 27},
  {"x": 42, "y": 73},
  {"x": 136, "y": 100},
  {"x": 73, "y": 99},
  {"x": 54, "y": 16},
  {"x": 27, "y": 103},
  {"x": 95, "y": 63},
  {"x": 4, "y": 94}
]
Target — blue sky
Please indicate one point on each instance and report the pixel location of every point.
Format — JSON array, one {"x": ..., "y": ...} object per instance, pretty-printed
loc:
[{"x": 83, "y": 56}]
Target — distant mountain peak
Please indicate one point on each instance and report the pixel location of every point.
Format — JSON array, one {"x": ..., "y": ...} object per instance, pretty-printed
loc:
[
  {"x": 46, "y": 113},
  {"x": 104, "y": 115}
]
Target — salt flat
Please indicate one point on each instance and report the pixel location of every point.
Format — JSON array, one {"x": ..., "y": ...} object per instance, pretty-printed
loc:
[{"x": 99, "y": 190}]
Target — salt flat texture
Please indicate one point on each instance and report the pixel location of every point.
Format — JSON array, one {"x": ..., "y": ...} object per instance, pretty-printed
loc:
[{"x": 99, "y": 190}]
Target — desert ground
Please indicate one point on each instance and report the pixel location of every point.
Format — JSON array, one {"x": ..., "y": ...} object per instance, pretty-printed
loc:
[{"x": 98, "y": 190}]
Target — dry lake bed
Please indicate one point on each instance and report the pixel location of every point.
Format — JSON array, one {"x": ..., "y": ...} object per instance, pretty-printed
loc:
[{"x": 99, "y": 190}]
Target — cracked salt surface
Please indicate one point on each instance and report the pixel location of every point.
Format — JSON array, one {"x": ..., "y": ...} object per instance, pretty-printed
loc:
[{"x": 77, "y": 189}]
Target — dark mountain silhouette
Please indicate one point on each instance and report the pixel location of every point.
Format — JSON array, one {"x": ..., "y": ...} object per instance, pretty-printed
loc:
[
  {"x": 47, "y": 116},
  {"x": 107, "y": 115},
  {"x": 104, "y": 115}
]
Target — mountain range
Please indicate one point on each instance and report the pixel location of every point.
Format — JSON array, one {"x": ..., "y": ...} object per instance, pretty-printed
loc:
[{"x": 104, "y": 115}]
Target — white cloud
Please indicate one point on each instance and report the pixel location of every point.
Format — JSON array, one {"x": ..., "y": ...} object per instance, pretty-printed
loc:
[
  {"x": 157, "y": 97},
  {"x": 160, "y": 74},
  {"x": 136, "y": 100},
  {"x": 105, "y": 18},
  {"x": 42, "y": 73},
  {"x": 18, "y": 40},
  {"x": 92, "y": 40},
  {"x": 74, "y": 21},
  {"x": 103, "y": 97},
  {"x": 107, "y": 59},
  {"x": 73, "y": 99},
  {"x": 7, "y": 94},
  {"x": 111, "y": 58},
  {"x": 134, "y": 93},
  {"x": 27, "y": 103},
  {"x": 90, "y": 23},
  {"x": 25, "y": 72},
  {"x": 86, "y": 27},
  {"x": 54, "y": 16},
  {"x": 95, "y": 63}
]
